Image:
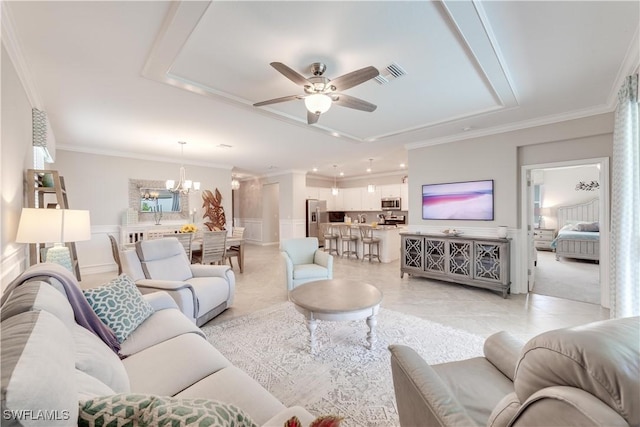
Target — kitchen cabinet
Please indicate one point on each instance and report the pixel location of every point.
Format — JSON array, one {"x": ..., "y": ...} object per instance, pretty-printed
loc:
[
  {"x": 335, "y": 203},
  {"x": 352, "y": 198},
  {"x": 370, "y": 201},
  {"x": 404, "y": 197},
  {"x": 390, "y": 190},
  {"x": 474, "y": 261}
]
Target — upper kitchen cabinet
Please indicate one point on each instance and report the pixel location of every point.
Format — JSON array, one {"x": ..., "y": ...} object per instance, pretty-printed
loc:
[
  {"x": 335, "y": 203},
  {"x": 313, "y": 193},
  {"x": 404, "y": 197},
  {"x": 390, "y": 190},
  {"x": 370, "y": 201},
  {"x": 352, "y": 198}
]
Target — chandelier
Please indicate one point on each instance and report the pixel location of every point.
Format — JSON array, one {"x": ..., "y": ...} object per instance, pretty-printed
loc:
[
  {"x": 184, "y": 185},
  {"x": 235, "y": 184}
]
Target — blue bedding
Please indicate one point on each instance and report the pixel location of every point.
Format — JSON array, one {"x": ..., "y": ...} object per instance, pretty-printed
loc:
[{"x": 575, "y": 235}]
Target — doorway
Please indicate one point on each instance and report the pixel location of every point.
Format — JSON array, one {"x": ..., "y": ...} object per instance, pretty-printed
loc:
[{"x": 564, "y": 277}]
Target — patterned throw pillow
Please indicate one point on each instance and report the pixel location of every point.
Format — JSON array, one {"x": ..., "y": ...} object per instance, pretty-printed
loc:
[
  {"x": 124, "y": 410},
  {"x": 120, "y": 305}
]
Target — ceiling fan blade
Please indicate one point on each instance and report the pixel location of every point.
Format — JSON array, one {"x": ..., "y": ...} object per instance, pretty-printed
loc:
[
  {"x": 353, "y": 102},
  {"x": 292, "y": 75},
  {"x": 312, "y": 117},
  {"x": 276, "y": 100},
  {"x": 354, "y": 78}
]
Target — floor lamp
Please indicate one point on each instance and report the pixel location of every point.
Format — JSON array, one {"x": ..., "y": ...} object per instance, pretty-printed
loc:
[{"x": 57, "y": 226}]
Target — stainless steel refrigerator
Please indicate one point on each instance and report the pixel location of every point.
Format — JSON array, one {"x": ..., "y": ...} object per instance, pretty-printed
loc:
[{"x": 316, "y": 215}]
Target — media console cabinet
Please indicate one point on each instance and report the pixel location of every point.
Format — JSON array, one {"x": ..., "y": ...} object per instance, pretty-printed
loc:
[{"x": 476, "y": 261}]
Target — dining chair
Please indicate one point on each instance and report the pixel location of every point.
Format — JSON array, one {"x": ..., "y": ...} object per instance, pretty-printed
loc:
[
  {"x": 234, "y": 251},
  {"x": 185, "y": 239},
  {"x": 116, "y": 253},
  {"x": 213, "y": 247}
]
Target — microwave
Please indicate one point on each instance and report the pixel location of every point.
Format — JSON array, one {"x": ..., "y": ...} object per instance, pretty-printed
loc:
[{"x": 390, "y": 204}]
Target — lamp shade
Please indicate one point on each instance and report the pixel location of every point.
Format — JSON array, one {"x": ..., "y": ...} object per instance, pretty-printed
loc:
[
  {"x": 318, "y": 103},
  {"x": 545, "y": 211},
  {"x": 53, "y": 226}
]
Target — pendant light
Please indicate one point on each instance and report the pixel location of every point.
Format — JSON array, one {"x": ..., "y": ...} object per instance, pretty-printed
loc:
[
  {"x": 334, "y": 190},
  {"x": 184, "y": 185},
  {"x": 371, "y": 188}
]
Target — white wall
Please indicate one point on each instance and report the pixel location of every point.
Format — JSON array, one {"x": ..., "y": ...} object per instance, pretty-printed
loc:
[
  {"x": 500, "y": 157},
  {"x": 100, "y": 184},
  {"x": 270, "y": 213},
  {"x": 16, "y": 155}
]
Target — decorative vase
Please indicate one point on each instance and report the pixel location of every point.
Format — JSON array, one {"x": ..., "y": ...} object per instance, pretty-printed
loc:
[{"x": 502, "y": 231}]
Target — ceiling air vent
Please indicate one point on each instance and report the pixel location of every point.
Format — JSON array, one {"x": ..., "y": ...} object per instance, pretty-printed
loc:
[{"x": 390, "y": 72}]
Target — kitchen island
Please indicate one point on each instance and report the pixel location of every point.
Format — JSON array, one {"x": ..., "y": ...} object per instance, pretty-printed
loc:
[{"x": 389, "y": 236}]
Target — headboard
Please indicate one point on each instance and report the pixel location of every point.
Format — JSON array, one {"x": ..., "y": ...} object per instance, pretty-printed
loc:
[{"x": 588, "y": 212}]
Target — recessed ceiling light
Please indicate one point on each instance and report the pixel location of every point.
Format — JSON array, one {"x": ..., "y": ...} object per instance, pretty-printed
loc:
[
  {"x": 336, "y": 134},
  {"x": 341, "y": 173},
  {"x": 402, "y": 165}
]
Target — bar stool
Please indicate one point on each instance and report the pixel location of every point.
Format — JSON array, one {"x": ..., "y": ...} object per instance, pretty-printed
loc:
[
  {"x": 327, "y": 231},
  {"x": 347, "y": 238},
  {"x": 366, "y": 233}
]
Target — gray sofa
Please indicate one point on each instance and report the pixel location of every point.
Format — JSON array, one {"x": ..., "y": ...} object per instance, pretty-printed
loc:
[
  {"x": 51, "y": 363},
  {"x": 581, "y": 376}
]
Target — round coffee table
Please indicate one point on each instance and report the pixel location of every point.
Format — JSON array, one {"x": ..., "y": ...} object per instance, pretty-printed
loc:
[{"x": 335, "y": 300}]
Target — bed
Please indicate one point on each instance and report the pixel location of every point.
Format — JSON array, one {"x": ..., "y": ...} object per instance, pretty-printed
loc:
[{"x": 579, "y": 231}]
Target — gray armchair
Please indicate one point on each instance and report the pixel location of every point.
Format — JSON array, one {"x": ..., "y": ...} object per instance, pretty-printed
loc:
[
  {"x": 304, "y": 262},
  {"x": 200, "y": 291},
  {"x": 583, "y": 376}
]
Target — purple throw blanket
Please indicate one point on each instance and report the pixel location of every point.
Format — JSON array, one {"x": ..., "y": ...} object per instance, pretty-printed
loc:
[{"x": 84, "y": 314}]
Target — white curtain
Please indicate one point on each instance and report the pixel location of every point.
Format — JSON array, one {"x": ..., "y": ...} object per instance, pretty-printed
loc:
[{"x": 625, "y": 204}]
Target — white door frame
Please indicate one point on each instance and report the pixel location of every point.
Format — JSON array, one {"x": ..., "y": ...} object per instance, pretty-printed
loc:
[{"x": 527, "y": 219}]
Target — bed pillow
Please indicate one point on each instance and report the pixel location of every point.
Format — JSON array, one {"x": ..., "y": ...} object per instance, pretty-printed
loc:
[
  {"x": 120, "y": 305},
  {"x": 587, "y": 226}
]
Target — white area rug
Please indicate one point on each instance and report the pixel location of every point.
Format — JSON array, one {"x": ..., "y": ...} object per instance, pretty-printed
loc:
[{"x": 343, "y": 377}]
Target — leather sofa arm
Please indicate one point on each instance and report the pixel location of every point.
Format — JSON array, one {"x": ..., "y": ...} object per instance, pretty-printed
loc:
[
  {"x": 422, "y": 398},
  {"x": 160, "y": 300},
  {"x": 182, "y": 293},
  {"x": 503, "y": 351},
  {"x": 566, "y": 406},
  {"x": 203, "y": 270}
]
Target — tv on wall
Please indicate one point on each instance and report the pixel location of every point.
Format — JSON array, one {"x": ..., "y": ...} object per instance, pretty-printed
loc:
[{"x": 469, "y": 200}]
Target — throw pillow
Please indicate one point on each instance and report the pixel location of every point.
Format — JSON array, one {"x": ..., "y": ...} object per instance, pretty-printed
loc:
[
  {"x": 149, "y": 410},
  {"x": 120, "y": 305}
]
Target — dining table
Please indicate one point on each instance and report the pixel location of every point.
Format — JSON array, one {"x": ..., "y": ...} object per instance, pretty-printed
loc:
[{"x": 196, "y": 245}]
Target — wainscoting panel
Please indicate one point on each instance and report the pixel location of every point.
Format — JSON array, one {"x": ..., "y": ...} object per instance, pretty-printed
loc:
[
  {"x": 252, "y": 229},
  {"x": 95, "y": 255},
  {"x": 13, "y": 264},
  {"x": 292, "y": 228}
]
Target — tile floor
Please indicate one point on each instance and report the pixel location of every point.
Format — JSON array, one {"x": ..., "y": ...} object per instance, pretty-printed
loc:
[{"x": 475, "y": 310}]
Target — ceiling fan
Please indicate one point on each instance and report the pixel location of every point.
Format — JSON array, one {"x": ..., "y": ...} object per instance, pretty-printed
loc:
[{"x": 321, "y": 92}]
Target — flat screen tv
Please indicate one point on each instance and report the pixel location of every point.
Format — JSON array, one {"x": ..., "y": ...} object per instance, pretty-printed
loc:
[{"x": 470, "y": 200}]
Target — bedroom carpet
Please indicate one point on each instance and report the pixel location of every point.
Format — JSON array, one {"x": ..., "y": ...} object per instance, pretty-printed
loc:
[
  {"x": 343, "y": 377},
  {"x": 577, "y": 280}
]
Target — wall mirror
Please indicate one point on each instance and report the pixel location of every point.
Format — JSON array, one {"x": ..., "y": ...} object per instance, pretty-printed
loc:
[{"x": 145, "y": 196}]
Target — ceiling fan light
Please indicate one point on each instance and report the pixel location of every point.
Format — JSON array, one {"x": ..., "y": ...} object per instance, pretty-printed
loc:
[{"x": 318, "y": 103}]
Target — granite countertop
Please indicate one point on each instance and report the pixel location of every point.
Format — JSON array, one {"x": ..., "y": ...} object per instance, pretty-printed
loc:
[{"x": 378, "y": 227}]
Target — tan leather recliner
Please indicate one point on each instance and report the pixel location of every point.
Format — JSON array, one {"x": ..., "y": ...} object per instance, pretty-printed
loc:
[{"x": 582, "y": 376}]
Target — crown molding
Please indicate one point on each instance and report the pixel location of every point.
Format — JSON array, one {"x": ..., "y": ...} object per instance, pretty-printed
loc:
[
  {"x": 629, "y": 66},
  {"x": 115, "y": 153},
  {"x": 12, "y": 44},
  {"x": 525, "y": 124}
]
